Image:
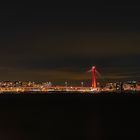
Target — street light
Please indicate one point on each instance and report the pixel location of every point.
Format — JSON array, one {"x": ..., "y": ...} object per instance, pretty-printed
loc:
[
  {"x": 66, "y": 84},
  {"x": 82, "y": 84}
]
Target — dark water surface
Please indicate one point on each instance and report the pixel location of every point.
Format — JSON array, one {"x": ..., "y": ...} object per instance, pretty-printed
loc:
[{"x": 69, "y": 116}]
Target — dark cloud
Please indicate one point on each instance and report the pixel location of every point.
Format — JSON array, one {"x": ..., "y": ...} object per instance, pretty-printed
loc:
[{"x": 39, "y": 43}]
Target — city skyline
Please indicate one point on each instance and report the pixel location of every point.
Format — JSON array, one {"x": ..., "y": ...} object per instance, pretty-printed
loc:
[{"x": 69, "y": 70}]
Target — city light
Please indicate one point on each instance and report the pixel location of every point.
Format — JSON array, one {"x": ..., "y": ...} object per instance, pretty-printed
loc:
[{"x": 47, "y": 87}]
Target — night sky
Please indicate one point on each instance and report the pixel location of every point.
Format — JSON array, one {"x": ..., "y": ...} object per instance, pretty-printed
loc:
[
  {"x": 58, "y": 42},
  {"x": 61, "y": 41}
]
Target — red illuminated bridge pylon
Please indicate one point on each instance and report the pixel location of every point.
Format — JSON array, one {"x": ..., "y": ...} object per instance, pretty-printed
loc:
[{"x": 94, "y": 82}]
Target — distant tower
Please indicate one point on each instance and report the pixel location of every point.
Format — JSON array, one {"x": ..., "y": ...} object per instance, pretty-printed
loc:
[{"x": 93, "y": 77}]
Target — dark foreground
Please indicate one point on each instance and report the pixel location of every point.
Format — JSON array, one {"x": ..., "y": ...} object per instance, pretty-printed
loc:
[{"x": 69, "y": 116}]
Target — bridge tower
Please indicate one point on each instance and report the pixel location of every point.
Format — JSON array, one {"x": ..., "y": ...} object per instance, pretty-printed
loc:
[{"x": 93, "y": 70}]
